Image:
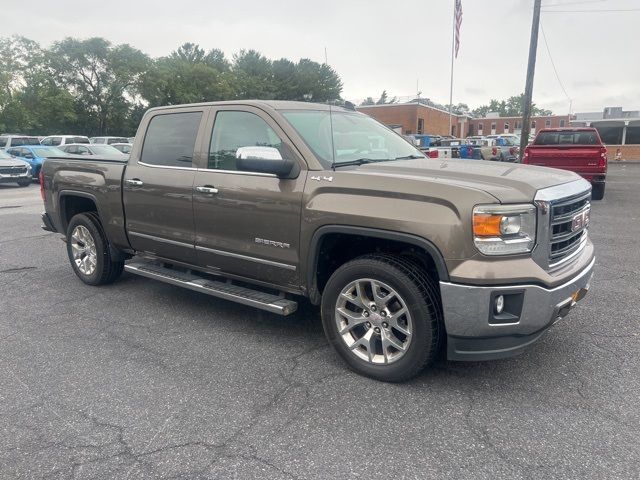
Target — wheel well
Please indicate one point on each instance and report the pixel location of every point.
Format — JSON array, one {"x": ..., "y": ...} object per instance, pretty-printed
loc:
[
  {"x": 71, "y": 205},
  {"x": 335, "y": 249}
]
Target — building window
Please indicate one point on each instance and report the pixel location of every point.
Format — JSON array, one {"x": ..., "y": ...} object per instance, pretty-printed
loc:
[
  {"x": 633, "y": 135},
  {"x": 506, "y": 127},
  {"x": 493, "y": 128},
  {"x": 561, "y": 123},
  {"x": 420, "y": 126},
  {"x": 547, "y": 123},
  {"x": 453, "y": 130},
  {"x": 518, "y": 125},
  {"x": 480, "y": 128},
  {"x": 408, "y": 132},
  {"x": 533, "y": 124}
]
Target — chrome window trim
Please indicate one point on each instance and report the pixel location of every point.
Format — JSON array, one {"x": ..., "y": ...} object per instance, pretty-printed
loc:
[
  {"x": 169, "y": 167},
  {"x": 246, "y": 257},
  {"x": 160, "y": 239},
  {"x": 238, "y": 172}
]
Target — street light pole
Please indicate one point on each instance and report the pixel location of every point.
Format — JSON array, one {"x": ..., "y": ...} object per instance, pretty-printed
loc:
[{"x": 531, "y": 68}]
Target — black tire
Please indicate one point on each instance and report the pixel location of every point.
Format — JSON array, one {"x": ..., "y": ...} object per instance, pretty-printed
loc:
[
  {"x": 597, "y": 191},
  {"x": 106, "y": 270},
  {"x": 24, "y": 183},
  {"x": 422, "y": 298}
]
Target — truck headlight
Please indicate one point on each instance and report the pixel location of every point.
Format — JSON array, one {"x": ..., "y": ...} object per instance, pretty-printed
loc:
[{"x": 504, "y": 229}]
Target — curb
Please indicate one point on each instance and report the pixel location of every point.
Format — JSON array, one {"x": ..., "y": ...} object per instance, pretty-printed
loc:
[{"x": 624, "y": 162}]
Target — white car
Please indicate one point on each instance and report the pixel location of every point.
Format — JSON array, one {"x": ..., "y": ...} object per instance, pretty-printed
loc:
[
  {"x": 123, "y": 147},
  {"x": 57, "y": 140},
  {"x": 109, "y": 140},
  {"x": 102, "y": 151},
  {"x": 7, "y": 141}
]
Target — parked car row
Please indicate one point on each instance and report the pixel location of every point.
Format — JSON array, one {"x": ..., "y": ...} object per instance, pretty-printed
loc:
[{"x": 22, "y": 156}]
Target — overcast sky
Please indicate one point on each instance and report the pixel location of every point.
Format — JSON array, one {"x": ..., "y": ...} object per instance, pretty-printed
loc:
[{"x": 382, "y": 44}]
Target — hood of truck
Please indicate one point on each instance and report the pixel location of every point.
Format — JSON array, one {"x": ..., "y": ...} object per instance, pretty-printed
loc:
[{"x": 507, "y": 182}]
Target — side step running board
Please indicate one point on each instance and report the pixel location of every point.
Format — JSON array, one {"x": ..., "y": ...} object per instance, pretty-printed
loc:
[{"x": 228, "y": 291}]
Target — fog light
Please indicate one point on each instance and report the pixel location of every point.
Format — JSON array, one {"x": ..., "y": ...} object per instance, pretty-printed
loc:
[{"x": 499, "y": 304}]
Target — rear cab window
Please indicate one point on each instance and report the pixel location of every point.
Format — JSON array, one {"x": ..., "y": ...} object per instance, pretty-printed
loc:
[
  {"x": 580, "y": 137},
  {"x": 170, "y": 139}
]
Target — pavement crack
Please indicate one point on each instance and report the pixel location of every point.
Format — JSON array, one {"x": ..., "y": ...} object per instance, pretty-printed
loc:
[{"x": 17, "y": 269}]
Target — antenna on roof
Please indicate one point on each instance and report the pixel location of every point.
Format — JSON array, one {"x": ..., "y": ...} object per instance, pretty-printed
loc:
[{"x": 333, "y": 150}]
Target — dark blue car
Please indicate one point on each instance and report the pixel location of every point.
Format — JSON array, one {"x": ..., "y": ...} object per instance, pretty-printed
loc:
[{"x": 34, "y": 155}]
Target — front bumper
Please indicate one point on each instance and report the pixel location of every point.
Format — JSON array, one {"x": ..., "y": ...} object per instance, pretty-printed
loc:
[
  {"x": 15, "y": 178},
  {"x": 474, "y": 331}
]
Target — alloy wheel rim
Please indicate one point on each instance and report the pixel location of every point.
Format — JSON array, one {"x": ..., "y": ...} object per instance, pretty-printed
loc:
[
  {"x": 373, "y": 321},
  {"x": 83, "y": 248}
]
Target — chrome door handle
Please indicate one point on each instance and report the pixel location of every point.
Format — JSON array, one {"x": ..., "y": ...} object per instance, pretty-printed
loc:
[
  {"x": 206, "y": 189},
  {"x": 134, "y": 182}
]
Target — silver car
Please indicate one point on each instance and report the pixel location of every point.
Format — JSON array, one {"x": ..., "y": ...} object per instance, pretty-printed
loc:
[{"x": 13, "y": 170}]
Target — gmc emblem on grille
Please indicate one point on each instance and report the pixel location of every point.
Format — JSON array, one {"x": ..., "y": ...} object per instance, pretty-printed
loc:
[{"x": 580, "y": 221}]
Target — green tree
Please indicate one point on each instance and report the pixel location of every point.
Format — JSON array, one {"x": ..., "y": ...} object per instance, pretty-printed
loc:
[
  {"x": 252, "y": 76},
  {"x": 101, "y": 76},
  {"x": 512, "y": 107}
]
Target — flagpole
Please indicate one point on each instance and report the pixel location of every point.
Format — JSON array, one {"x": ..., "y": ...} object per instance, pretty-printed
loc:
[{"x": 453, "y": 39}]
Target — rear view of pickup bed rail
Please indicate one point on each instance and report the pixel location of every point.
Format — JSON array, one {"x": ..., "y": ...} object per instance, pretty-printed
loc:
[{"x": 263, "y": 203}]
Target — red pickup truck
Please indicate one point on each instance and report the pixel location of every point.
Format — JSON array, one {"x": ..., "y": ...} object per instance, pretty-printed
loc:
[{"x": 579, "y": 150}]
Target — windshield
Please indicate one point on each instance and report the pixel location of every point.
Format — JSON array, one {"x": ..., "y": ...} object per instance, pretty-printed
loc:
[
  {"x": 511, "y": 141},
  {"x": 4, "y": 154},
  {"x": 84, "y": 140},
  {"x": 355, "y": 137},
  {"x": 49, "y": 152},
  {"x": 105, "y": 150}
]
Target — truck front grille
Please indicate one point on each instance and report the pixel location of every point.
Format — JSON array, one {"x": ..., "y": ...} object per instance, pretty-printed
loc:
[
  {"x": 13, "y": 170},
  {"x": 568, "y": 229}
]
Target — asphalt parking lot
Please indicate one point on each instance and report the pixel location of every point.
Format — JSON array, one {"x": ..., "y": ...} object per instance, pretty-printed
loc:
[{"x": 144, "y": 380}]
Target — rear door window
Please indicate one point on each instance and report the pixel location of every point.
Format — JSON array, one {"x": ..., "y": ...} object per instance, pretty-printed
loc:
[{"x": 170, "y": 139}]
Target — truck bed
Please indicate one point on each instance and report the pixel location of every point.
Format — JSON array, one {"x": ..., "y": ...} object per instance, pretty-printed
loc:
[{"x": 98, "y": 180}]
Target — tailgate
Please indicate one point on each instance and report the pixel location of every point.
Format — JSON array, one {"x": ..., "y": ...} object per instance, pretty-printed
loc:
[{"x": 577, "y": 158}]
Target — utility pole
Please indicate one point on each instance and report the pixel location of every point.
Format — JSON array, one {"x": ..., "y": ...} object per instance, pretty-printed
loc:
[{"x": 531, "y": 68}]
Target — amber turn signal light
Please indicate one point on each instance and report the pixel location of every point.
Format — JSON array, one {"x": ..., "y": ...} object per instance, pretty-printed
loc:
[{"x": 485, "y": 225}]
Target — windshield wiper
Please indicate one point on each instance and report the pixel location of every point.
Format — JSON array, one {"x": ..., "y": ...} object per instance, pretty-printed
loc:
[
  {"x": 359, "y": 161},
  {"x": 409, "y": 157}
]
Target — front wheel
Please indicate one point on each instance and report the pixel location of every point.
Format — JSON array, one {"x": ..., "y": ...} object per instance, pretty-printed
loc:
[
  {"x": 381, "y": 313},
  {"x": 88, "y": 251},
  {"x": 24, "y": 183}
]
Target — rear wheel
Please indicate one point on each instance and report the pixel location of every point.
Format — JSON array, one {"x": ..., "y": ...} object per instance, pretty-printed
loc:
[
  {"x": 597, "y": 191},
  {"x": 381, "y": 313},
  {"x": 88, "y": 251}
]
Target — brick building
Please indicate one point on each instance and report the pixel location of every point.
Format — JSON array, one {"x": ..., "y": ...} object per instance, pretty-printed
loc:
[
  {"x": 417, "y": 118},
  {"x": 495, "y": 125}
]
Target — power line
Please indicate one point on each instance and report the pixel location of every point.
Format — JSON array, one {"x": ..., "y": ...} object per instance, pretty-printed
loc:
[
  {"x": 593, "y": 11},
  {"x": 546, "y": 44},
  {"x": 573, "y": 3}
]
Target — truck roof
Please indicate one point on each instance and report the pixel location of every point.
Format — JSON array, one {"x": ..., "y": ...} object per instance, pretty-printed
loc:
[{"x": 272, "y": 104}]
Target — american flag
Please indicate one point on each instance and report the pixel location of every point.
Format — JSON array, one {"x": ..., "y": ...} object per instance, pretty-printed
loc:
[{"x": 458, "y": 20}]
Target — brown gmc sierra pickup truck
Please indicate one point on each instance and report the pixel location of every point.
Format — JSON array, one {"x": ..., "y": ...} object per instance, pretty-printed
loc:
[{"x": 265, "y": 202}]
